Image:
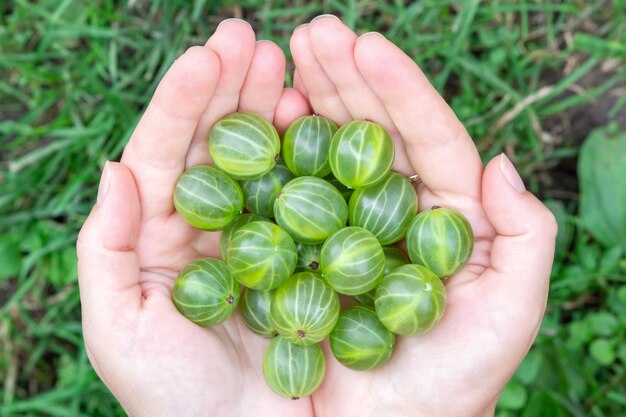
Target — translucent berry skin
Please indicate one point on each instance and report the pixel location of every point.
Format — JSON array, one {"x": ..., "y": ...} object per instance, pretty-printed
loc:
[
  {"x": 261, "y": 255},
  {"x": 346, "y": 192},
  {"x": 353, "y": 262},
  {"x": 410, "y": 300},
  {"x": 394, "y": 257},
  {"x": 260, "y": 194},
  {"x": 367, "y": 298},
  {"x": 386, "y": 209},
  {"x": 255, "y": 311},
  {"x": 244, "y": 145},
  {"x": 207, "y": 198},
  {"x": 291, "y": 370},
  {"x": 230, "y": 230},
  {"x": 205, "y": 292},
  {"x": 360, "y": 341},
  {"x": 361, "y": 154},
  {"x": 310, "y": 209},
  {"x": 308, "y": 257},
  {"x": 441, "y": 239},
  {"x": 305, "y": 146},
  {"x": 305, "y": 309}
]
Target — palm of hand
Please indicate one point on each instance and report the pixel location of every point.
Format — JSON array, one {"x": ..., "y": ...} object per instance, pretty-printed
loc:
[
  {"x": 468, "y": 356},
  {"x": 472, "y": 352}
]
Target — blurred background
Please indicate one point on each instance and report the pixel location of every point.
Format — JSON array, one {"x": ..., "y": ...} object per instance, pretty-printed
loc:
[{"x": 543, "y": 81}]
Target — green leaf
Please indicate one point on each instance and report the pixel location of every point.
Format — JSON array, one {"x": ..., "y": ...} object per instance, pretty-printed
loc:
[
  {"x": 599, "y": 47},
  {"x": 603, "y": 351},
  {"x": 11, "y": 259},
  {"x": 589, "y": 257},
  {"x": 575, "y": 380},
  {"x": 529, "y": 368},
  {"x": 581, "y": 332},
  {"x": 566, "y": 229},
  {"x": 616, "y": 397},
  {"x": 616, "y": 302},
  {"x": 603, "y": 324},
  {"x": 542, "y": 404},
  {"x": 67, "y": 369},
  {"x": 513, "y": 396},
  {"x": 621, "y": 352},
  {"x": 504, "y": 413},
  {"x": 62, "y": 268},
  {"x": 609, "y": 264},
  {"x": 601, "y": 170}
]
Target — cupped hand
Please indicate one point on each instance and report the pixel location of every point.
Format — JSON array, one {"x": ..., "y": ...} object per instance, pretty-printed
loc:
[
  {"x": 133, "y": 243},
  {"x": 156, "y": 362},
  {"x": 495, "y": 304}
]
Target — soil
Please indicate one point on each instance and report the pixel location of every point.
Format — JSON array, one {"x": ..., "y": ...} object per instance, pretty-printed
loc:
[{"x": 572, "y": 127}]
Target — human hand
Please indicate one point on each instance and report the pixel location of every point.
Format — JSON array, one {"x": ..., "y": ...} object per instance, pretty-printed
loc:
[
  {"x": 155, "y": 361},
  {"x": 496, "y": 303},
  {"x": 133, "y": 244}
]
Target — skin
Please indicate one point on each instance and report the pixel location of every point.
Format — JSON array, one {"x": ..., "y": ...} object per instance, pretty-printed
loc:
[{"x": 133, "y": 244}]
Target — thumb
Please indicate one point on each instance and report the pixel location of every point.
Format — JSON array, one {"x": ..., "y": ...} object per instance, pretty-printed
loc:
[
  {"x": 522, "y": 252},
  {"x": 108, "y": 270}
]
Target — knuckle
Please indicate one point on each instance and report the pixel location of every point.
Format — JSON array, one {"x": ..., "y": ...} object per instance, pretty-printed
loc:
[
  {"x": 85, "y": 232},
  {"x": 82, "y": 238},
  {"x": 548, "y": 224}
]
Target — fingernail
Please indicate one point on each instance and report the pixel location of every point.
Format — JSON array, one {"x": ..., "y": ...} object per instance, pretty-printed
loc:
[
  {"x": 372, "y": 34},
  {"x": 323, "y": 16},
  {"x": 510, "y": 174},
  {"x": 103, "y": 188},
  {"x": 300, "y": 26},
  {"x": 231, "y": 19}
]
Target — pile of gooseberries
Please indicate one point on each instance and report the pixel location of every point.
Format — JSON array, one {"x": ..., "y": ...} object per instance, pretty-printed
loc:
[{"x": 303, "y": 220}]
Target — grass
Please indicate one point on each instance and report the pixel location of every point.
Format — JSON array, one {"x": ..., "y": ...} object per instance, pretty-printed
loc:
[{"x": 524, "y": 76}]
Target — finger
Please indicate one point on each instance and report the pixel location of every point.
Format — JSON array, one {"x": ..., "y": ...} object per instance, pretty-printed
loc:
[
  {"x": 108, "y": 270},
  {"x": 322, "y": 94},
  {"x": 437, "y": 144},
  {"x": 156, "y": 151},
  {"x": 264, "y": 82},
  {"x": 291, "y": 106},
  {"x": 521, "y": 254},
  {"x": 298, "y": 85},
  {"x": 233, "y": 42},
  {"x": 333, "y": 44}
]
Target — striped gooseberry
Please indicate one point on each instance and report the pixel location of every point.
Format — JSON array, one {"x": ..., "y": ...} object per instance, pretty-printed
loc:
[
  {"x": 361, "y": 154},
  {"x": 259, "y": 194},
  {"x": 255, "y": 311},
  {"x": 305, "y": 145},
  {"x": 410, "y": 300},
  {"x": 261, "y": 255},
  {"x": 291, "y": 370},
  {"x": 244, "y": 145},
  {"x": 207, "y": 198},
  {"x": 205, "y": 292},
  {"x": 360, "y": 341},
  {"x": 441, "y": 239},
  {"x": 228, "y": 232},
  {"x": 310, "y": 209},
  {"x": 305, "y": 309},
  {"x": 353, "y": 261},
  {"x": 386, "y": 209},
  {"x": 394, "y": 257}
]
